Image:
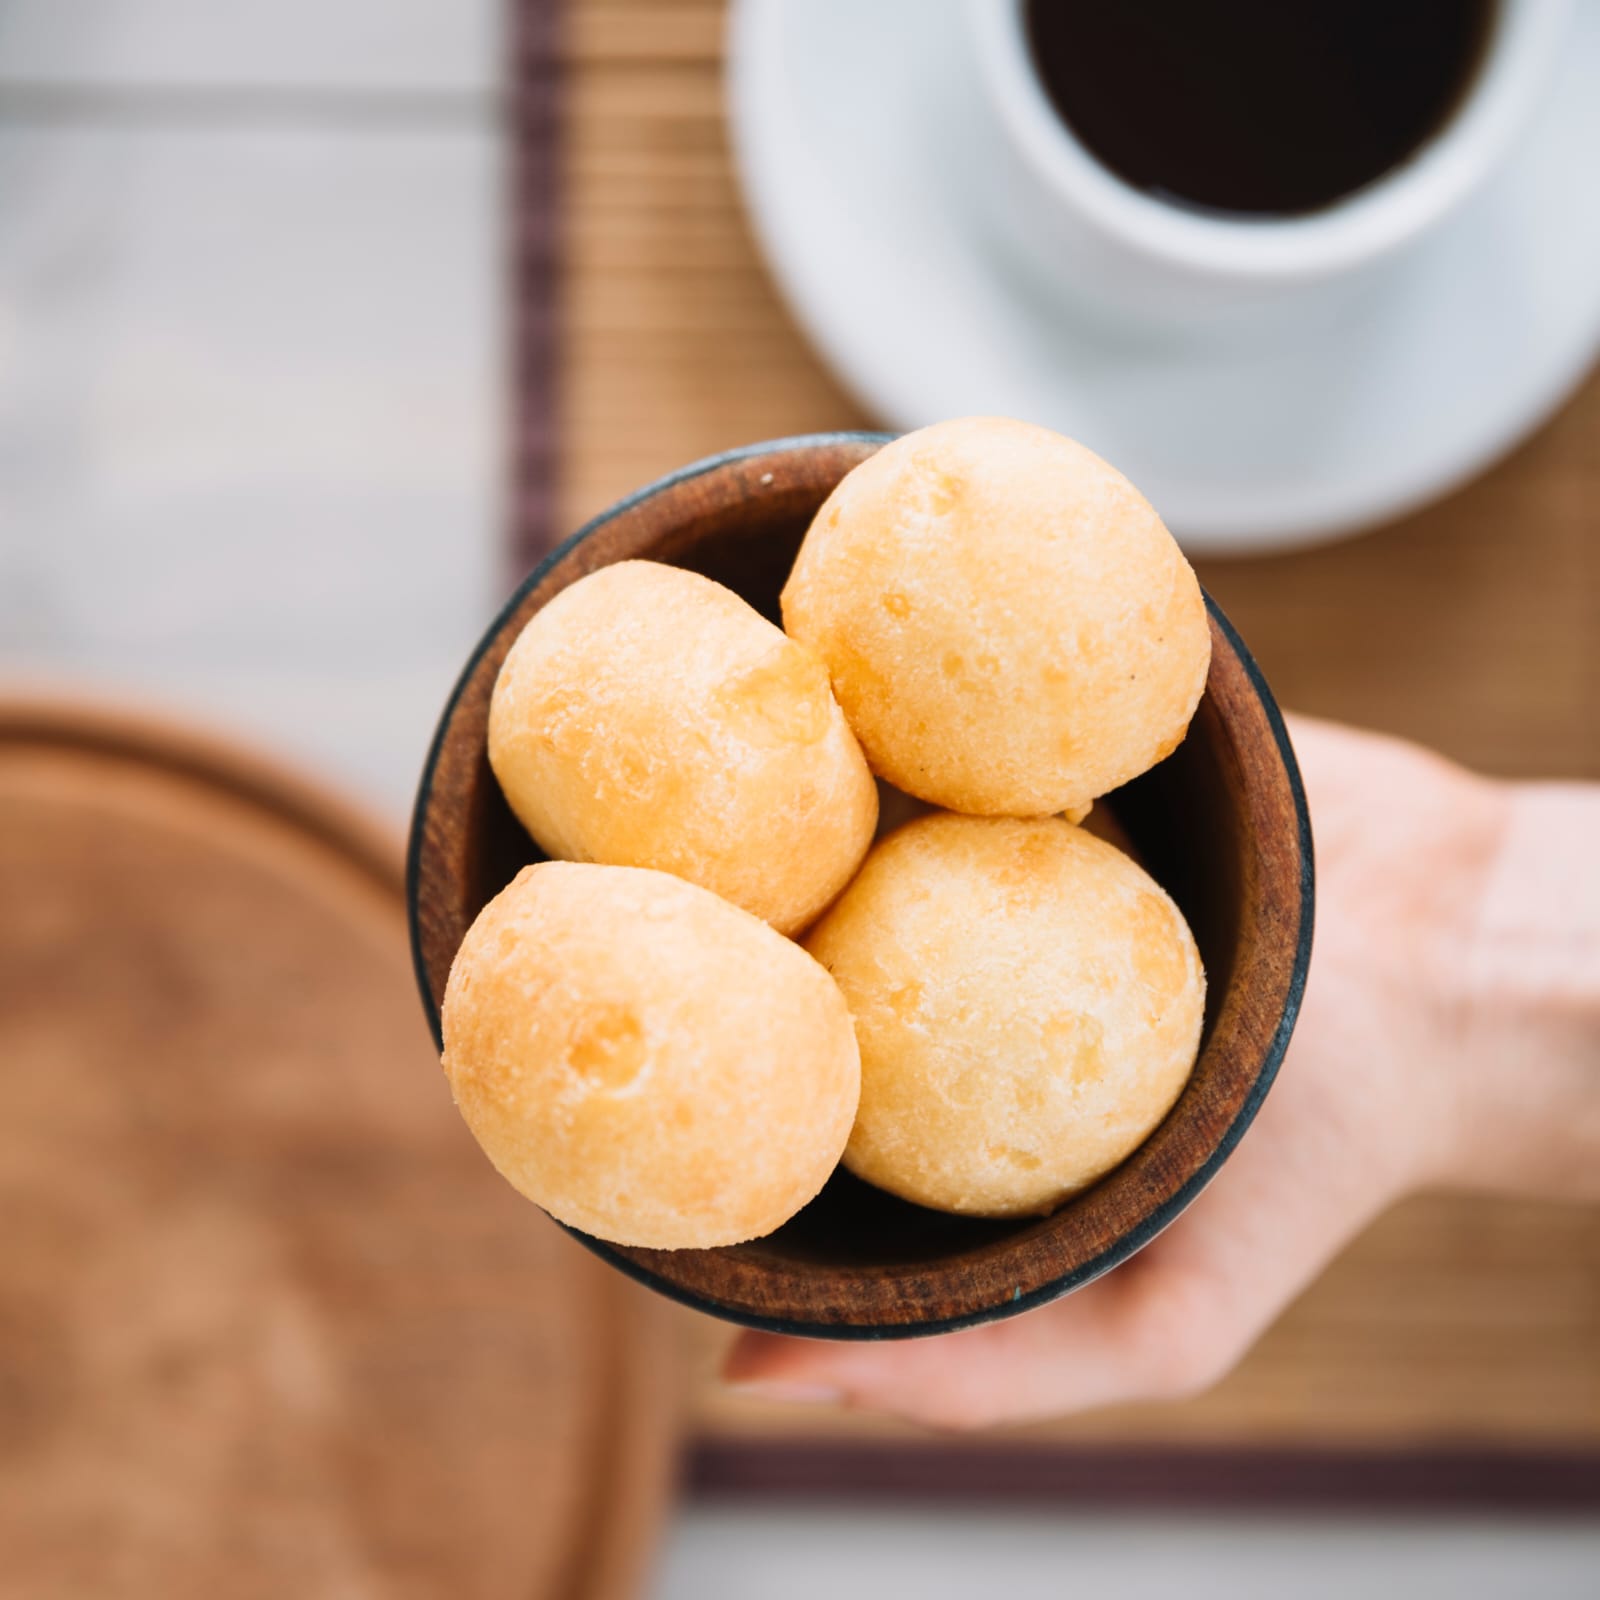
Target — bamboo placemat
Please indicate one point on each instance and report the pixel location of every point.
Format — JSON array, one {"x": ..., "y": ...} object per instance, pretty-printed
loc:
[{"x": 1453, "y": 1352}]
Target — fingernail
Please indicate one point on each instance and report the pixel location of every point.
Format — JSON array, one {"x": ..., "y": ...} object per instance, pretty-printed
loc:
[{"x": 789, "y": 1391}]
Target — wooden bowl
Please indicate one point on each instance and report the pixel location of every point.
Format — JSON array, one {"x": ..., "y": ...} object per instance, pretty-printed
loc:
[{"x": 1221, "y": 823}]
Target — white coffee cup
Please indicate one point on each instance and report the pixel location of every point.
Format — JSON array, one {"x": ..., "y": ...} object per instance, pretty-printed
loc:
[{"x": 1071, "y": 221}]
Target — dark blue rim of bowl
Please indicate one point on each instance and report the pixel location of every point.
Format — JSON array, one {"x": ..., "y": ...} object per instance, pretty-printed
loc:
[{"x": 1131, "y": 1242}]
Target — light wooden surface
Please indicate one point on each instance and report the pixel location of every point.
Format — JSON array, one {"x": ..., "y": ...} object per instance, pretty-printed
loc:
[
  {"x": 1474, "y": 626},
  {"x": 249, "y": 334}
]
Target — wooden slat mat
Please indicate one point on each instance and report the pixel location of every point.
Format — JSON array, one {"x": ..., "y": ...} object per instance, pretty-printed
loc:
[{"x": 1453, "y": 1352}]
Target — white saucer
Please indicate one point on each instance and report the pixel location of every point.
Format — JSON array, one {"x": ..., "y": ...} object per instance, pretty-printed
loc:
[{"x": 847, "y": 120}]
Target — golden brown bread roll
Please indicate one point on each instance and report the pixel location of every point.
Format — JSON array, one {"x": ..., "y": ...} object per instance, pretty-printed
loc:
[
  {"x": 1006, "y": 622},
  {"x": 1027, "y": 1002},
  {"x": 648, "y": 1063},
  {"x": 649, "y": 717}
]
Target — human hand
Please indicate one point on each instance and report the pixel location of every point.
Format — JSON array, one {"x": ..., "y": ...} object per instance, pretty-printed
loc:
[{"x": 1450, "y": 1034}]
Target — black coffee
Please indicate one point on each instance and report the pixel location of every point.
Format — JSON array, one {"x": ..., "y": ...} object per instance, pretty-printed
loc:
[{"x": 1266, "y": 107}]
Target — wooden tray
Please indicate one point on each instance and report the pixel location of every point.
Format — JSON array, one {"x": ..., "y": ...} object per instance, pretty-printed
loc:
[
  {"x": 1455, "y": 1348},
  {"x": 269, "y": 1324}
]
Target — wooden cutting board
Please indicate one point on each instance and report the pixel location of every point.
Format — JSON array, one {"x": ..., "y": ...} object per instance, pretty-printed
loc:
[
  {"x": 1456, "y": 1330},
  {"x": 269, "y": 1324}
]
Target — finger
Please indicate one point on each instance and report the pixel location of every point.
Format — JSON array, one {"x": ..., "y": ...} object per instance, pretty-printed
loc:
[
  {"x": 957, "y": 1380},
  {"x": 1170, "y": 1322}
]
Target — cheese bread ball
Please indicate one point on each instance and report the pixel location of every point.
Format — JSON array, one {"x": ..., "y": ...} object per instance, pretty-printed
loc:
[
  {"x": 650, "y": 1064},
  {"x": 1028, "y": 1005},
  {"x": 648, "y": 717},
  {"x": 1009, "y": 627}
]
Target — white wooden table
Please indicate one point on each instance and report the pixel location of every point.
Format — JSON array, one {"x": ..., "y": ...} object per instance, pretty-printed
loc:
[{"x": 249, "y": 403}]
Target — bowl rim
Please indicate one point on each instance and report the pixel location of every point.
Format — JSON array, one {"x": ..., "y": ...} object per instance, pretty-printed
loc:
[{"x": 1126, "y": 1244}]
